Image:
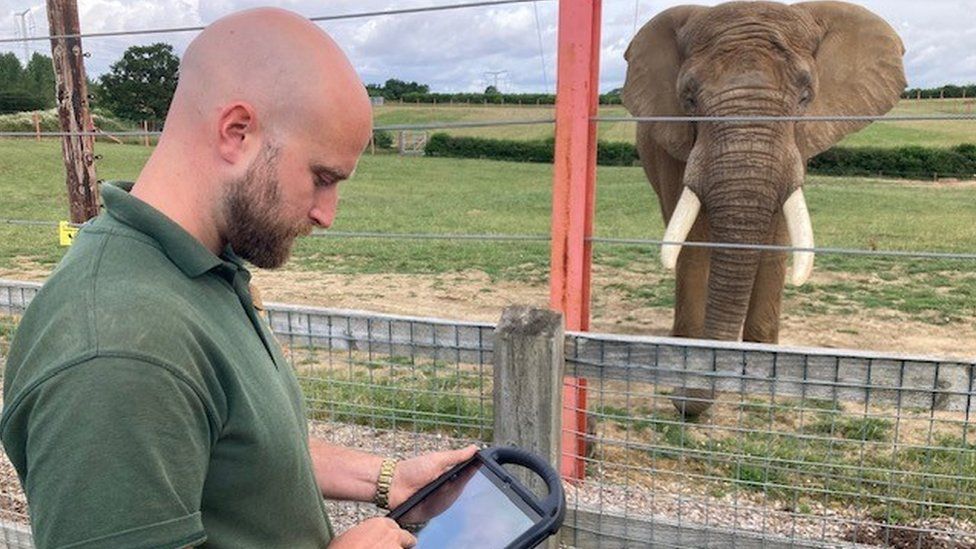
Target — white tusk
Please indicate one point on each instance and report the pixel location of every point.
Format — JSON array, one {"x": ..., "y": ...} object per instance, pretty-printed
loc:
[
  {"x": 685, "y": 213},
  {"x": 801, "y": 236}
]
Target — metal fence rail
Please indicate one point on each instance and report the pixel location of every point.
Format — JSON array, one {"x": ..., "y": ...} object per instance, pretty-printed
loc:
[{"x": 801, "y": 447}]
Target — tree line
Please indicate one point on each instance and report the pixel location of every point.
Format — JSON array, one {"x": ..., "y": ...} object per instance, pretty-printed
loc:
[
  {"x": 413, "y": 92},
  {"x": 949, "y": 91},
  {"x": 27, "y": 88}
]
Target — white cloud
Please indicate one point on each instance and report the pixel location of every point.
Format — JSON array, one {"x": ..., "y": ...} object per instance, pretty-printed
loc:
[{"x": 452, "y": 50}]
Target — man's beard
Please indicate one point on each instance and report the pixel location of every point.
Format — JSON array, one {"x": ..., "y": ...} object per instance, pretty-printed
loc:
[{"x": 255, "y": 224}]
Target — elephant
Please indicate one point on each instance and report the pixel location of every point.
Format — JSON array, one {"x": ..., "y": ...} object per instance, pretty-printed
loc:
[{"x": 742, "y": 182}]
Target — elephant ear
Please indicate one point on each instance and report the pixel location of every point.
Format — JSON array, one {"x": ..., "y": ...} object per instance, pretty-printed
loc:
[
  {"x": 859, "y": 69},
  {"x": 653, "y": 62}
]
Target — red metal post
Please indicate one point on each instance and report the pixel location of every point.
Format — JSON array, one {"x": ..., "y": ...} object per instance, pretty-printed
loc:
[{"x": 573, "y": 191}]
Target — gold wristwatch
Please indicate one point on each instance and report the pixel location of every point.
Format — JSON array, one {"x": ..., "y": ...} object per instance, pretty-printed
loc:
[{"x": 383, "y": 483}]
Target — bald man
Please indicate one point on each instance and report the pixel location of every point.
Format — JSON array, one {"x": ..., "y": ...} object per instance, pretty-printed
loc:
[{"x": 146, "y": 402}]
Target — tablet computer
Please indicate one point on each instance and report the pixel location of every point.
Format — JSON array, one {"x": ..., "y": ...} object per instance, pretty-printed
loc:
[{"x": 480, "y": 504}]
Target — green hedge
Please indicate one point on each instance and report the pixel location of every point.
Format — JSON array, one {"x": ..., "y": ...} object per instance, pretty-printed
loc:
[
  {"x": 442, "y": 144},
  {"x": 610, "y": 98},
  {"x": 907, "y": 162}
]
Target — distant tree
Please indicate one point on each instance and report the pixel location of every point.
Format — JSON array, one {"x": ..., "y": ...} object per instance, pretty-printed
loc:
[
  {"x": 16, "y": 94},
  {"x": 492, "y": 90},
  {"x": 612, "y": 97},
  {"x": 11, "y": 73},
  {"x": 374, "y": 90},
  {"x": 396, "y": 89},
  {"x": 39, "y": 77},
  {"x": 141, "y": 84}
]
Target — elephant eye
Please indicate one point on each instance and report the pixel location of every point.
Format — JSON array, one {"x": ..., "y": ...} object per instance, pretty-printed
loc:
[
  {"x": 805, "y": 97},
  {"x": 689, "y": 104}
]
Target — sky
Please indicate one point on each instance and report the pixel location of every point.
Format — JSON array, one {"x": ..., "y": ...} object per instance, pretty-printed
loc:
[{"x": 467, "y": 49}]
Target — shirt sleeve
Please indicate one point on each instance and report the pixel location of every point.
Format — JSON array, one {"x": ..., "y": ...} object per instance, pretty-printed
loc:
[{"x": 115, "y": 454}]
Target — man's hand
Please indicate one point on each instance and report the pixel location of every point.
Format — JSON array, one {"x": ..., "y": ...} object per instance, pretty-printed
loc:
[
  {"x": 374, "y": 533},
  {"x": 415, "y": 473}
]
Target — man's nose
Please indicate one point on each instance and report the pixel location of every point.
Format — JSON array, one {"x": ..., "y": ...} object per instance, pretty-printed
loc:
[{"x": 323, "y": 212}]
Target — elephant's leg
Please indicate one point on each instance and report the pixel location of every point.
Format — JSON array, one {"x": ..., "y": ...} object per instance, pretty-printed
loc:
[
  {"x": 666, "y": 175},
  {"x": 691, "y": 286},
  {"x": 762, "y": 319},
  {"x": 691, "y": 291}
]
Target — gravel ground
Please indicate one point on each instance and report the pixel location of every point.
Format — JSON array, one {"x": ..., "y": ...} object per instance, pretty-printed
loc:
[
  {"x": 675, "y": 502},
  {"x": 672, "y": 503}
]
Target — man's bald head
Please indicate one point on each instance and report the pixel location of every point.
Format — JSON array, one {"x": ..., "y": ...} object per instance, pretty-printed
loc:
[
  {"x": 278, "y": 61},
  {"x": 267, "y": 118}
]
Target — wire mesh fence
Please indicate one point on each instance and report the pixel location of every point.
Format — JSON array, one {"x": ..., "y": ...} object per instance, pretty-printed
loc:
[{"x": 799, "y": 447}]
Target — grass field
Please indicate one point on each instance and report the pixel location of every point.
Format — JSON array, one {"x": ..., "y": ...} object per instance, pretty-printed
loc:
[
  {"x": 884, "y": 134},
  {"x": 847, "y": 453},
  {"x": 447, "y": 196}
]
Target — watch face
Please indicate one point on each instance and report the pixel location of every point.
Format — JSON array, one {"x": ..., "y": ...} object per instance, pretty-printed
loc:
[{"x": 475, "y": 508}]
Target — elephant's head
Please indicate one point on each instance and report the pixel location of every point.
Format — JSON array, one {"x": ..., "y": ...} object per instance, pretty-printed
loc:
[{"x": 754, "y": 59}]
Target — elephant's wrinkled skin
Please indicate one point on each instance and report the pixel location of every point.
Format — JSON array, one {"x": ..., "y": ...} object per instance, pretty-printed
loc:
[{"x": 749, "y": 59}]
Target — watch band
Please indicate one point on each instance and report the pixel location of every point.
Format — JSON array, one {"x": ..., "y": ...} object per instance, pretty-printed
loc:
[{"x": 383, "y": 483}]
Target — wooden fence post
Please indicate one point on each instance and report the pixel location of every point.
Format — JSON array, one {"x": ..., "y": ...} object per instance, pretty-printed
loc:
[
  {"x": 528, "y": 370},
  {"x": 72, "y": 98}
]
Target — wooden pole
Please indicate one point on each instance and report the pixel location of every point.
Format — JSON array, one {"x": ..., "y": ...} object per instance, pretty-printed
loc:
[
  {"x": 573, "y": 192},
  {"x": 72, "y": 93},
  {"x": 37, "y": 126},
  {"x": 528, "y": 380}
]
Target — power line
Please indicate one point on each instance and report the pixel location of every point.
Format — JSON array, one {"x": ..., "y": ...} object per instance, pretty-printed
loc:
[
  {"x": 495, "y": 74},
  {"x": 636, "y": 12},
  {"x": 26, "y": 30},
  {"x": 358, "y": 15},
  {"x": 542, "y": 54}
]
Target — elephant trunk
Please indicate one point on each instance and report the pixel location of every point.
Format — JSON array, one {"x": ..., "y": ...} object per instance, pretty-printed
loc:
[
  {"x": 733, "y": 271},
  {"x": 745, "y": 187}
]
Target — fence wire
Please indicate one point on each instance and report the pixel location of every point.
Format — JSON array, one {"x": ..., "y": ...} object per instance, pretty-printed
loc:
[
  {"x": 542, "y": 121},
  {"x": 456, "y": 237},
  {"x": 800, "y": 447}
]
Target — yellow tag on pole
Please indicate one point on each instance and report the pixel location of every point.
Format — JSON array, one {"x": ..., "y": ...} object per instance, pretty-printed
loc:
[{"x": 66, "y": 233}]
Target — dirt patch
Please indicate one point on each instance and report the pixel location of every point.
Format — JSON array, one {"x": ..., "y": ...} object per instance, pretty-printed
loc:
[
  {"x": 26, "y": 269},
  {"x": 473, "y": 296}
]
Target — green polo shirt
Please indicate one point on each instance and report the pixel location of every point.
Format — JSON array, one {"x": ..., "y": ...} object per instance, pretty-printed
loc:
[{"x": 146, "y": 404}]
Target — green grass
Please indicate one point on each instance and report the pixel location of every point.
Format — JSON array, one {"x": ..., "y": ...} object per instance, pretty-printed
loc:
[
  {"x": 392, "y": 194},
  {"x": 8, "y": 325},
  {"x": 884, "y": 134},
  {"x": 399, "y": 393},
  {"x": 803, "y": 453}
]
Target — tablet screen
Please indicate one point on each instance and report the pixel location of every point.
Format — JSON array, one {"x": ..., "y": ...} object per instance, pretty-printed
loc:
[{"x": 474, "y": 509}]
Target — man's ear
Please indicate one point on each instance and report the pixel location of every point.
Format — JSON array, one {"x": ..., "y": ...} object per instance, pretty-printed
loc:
[{"x": 236, "y": 132}]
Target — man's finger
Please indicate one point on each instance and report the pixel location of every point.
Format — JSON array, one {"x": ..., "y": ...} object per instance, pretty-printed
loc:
[
  {"x": 453, "y": 457},
  {"x": 407, "y": 539}
]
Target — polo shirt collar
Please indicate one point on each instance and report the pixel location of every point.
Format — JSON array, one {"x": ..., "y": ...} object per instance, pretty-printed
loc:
[{"x": 182, "y": 248}]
